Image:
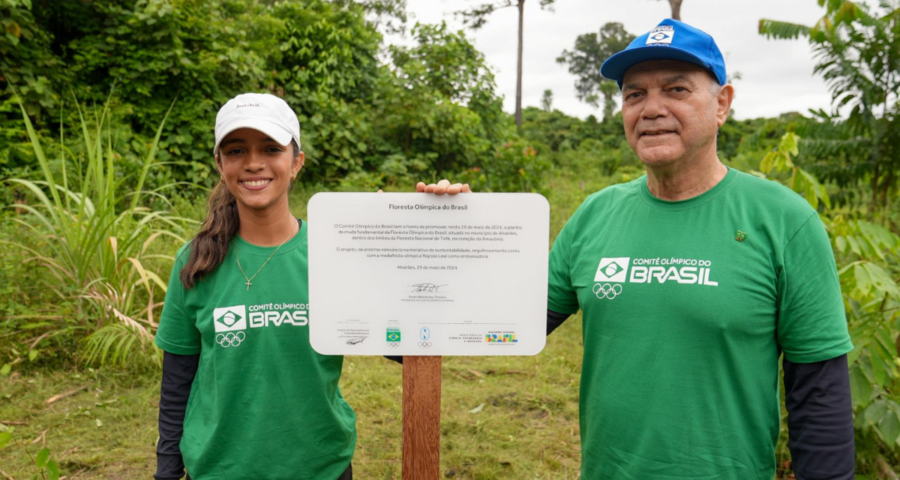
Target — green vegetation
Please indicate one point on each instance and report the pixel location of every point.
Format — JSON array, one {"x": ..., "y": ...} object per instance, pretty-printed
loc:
[
  {"x": 95, "y": 238},
  {"x": 106, "y": 114},
  {"x": 853, "y": 44},
  {"x": 507, "y": 418},
  {"x": 433, "y": 107}
]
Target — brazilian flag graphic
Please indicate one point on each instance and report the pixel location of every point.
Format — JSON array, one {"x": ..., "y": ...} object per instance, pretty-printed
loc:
[
  {"x": 229, "y": 319},
  {"x": 393, "y": 335}
]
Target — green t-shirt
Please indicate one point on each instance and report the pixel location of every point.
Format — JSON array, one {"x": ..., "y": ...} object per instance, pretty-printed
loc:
[
  {"x": 686, "y": 308},
  {"x": 264, "y": 404}
]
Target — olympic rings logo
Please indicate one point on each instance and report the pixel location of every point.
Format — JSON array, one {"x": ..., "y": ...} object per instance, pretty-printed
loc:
[
  {"x": 393, "y": 344},
  {"x": 425, "y": 344},
  {"x": 230, "y": 339},
  {"x": 607, "y": 290}
]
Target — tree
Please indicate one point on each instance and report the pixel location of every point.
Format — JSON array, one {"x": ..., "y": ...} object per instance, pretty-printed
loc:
[
  {"x": 590, "y": 51},
  {"x": 547, "y": 100},
  {"x": 365, "y": 110},
  {"x": 676, "y": 9},
  {"x": 391, "y": 14},
  {"x": 147, "y": 53},
  {"x": 439, "y": 104},
  {"x": 609, "y": 89},
  {"x": 333, "y": 104},
  {"x": 857, "y": 55},
  {"x": 476, "y": 17}
]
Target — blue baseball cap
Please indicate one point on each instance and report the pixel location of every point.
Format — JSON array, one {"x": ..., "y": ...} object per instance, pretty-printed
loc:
[{"x": 670, "y": 40}]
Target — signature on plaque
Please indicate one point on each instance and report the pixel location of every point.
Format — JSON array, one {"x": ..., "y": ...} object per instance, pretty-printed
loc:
[{"x": 426, "y": 287}]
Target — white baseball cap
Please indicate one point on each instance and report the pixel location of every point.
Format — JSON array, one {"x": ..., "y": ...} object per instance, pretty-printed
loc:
[{"x": 259, "y": 111}]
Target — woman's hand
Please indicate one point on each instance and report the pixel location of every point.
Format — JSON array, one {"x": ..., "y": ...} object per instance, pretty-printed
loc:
[{"x": 443, "y": 187}]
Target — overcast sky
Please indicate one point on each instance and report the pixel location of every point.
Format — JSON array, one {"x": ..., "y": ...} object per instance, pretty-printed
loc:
[{"x": 777, "y": 75}]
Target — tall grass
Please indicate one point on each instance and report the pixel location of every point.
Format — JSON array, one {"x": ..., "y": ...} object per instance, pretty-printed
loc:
[{"x": 89, "y": 226}]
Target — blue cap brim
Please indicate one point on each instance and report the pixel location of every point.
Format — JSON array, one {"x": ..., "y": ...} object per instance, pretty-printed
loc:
[{"x": 614, "y": 67}]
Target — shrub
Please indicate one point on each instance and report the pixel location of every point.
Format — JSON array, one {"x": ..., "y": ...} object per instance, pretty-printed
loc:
[
  {"x": 515, "y": 167},
  {"x": 91, "y": 229},
  {"x": 867, "y": 261}
]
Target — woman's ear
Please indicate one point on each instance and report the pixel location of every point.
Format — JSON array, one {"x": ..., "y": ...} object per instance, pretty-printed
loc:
[
  {"x": 299, "y": 161},
  {"x": 219, "y": 166}
]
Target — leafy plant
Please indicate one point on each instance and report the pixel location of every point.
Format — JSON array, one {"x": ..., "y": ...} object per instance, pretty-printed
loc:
[
  {"x": 152, "y": 50},
  {"x": 439, "y": 102},
  {"x": 867, "y": 257},
  {"x": 515, "y": 167},
  {"x": 390, "y": 14},
  {"x": 856, "y": 50},
  {"x": 91, "y": 230},
  {"x": 47, "y": 468},
  {"x": 358, "y": 102},
  {"x": 799, "y": 180},
  {"x": 25, "y": 57}
]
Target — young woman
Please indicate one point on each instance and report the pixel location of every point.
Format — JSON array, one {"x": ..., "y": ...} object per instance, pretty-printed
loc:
[{"x": 244, "y": 396}]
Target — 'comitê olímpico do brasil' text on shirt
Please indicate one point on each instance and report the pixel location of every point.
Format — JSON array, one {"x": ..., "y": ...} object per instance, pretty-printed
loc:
[
  {"x": 263, "y": 402},
  {"x": 687, "y": 307}
]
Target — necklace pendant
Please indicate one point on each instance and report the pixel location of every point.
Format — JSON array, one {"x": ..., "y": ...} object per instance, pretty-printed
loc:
[{"x": 237, "y": 258}]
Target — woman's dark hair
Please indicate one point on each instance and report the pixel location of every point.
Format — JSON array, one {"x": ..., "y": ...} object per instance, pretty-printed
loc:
[{"x": 210, "y": 246}]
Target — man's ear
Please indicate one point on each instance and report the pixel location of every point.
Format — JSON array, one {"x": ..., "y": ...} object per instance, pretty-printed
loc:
[{"x": 724, "y": 99}]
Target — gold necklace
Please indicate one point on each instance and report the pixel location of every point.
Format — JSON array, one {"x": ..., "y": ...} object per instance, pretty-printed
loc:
[{"x": 238, "y": 259}]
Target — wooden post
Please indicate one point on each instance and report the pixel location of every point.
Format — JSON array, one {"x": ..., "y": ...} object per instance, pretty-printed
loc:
[{"x": 421, "y": 418}]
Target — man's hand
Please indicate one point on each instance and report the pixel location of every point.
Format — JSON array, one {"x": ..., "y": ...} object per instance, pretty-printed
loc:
[{"x": 443, "y": 187}]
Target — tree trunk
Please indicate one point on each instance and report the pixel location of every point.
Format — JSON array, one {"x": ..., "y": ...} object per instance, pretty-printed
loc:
[
  {"x": 875, "y": 185},
  {"x": 519, "y": 69},
  {"x": 676, "y": 9},
  {"x": 609, "y": 106}
]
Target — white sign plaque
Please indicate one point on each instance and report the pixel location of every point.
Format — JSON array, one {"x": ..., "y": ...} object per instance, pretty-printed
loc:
[{"x": 421, "y": 274}]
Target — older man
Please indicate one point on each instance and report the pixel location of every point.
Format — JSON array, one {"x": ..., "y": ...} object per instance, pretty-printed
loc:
[{"x": 692, "y": 281}]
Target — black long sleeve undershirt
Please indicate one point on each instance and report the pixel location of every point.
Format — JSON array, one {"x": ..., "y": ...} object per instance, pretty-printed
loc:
[
  {"x": 820, "y": 419},
  {"x": 177, "y": 377},
  {"x": 555, "y": 320},
  {"x": 820, "y": 415}
]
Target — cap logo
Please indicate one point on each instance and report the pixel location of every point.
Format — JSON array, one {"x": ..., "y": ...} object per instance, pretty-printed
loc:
[
  {"x": 247, "y": 105},
  {"x": 661, "y": 35}
]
